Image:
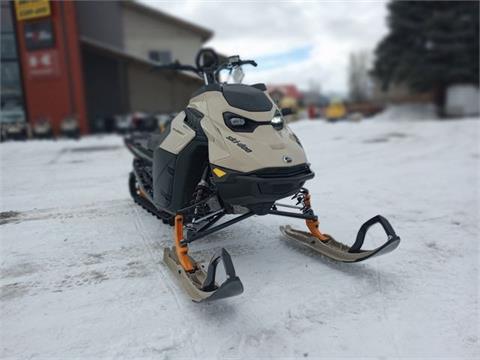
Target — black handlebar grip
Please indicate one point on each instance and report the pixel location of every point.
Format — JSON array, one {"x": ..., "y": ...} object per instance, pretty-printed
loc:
[{"x": 246, "y": 62}]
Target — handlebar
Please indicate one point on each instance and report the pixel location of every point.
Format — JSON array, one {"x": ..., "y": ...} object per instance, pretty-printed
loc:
[
  {"x": 176, "y": 66},
  {"x": 248, "y": 62},
  {"x": 209, "y": 72}
]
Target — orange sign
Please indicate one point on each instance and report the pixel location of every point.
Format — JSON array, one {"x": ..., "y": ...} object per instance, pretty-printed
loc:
[{"x": 31, "y": 9}]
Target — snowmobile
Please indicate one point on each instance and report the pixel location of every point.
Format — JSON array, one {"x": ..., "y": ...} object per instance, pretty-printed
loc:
[{"x": 229, "y": 153}]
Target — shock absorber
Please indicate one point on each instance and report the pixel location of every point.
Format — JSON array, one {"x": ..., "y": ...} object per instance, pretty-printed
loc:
[{"x": 201, "y": 189}]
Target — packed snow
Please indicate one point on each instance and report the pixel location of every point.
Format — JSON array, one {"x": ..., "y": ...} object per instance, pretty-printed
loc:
[{"x": 82, "y": 275}]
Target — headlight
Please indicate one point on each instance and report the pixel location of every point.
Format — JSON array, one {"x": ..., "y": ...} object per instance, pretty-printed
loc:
[
  {"x": 277, "y": 121},
  {"x": 239, "y": 123},
  {"x": 236, "y": 121}
]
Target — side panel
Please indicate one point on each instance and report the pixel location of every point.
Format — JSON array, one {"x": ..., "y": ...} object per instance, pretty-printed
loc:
[
  {"x": 179, "y": 137},
  {"x": 175, "y": 176},
  {"x": 178, "y": 163},
  {"x": 164, "y": 164}
]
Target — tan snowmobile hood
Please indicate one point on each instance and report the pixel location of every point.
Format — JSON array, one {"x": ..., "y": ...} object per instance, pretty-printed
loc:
[{"x": 265, "y": 147}]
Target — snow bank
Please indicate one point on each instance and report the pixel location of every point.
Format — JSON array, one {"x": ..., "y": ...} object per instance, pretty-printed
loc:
[
  {"x": 463, "y": 100},
  {"x": 407, "y": 112}
]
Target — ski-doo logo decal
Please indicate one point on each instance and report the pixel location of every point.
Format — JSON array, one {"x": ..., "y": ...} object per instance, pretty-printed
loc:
[{"x": 239, "y": 144}]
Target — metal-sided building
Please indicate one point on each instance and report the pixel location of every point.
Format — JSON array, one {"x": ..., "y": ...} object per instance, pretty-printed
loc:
[{"x": 93, "y": 59}]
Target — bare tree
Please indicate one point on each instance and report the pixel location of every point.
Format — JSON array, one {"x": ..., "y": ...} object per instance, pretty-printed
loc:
[{"x": 314, "y": 86}]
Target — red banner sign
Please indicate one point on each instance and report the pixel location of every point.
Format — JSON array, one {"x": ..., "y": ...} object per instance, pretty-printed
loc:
[{"x": 43, "y": 63}]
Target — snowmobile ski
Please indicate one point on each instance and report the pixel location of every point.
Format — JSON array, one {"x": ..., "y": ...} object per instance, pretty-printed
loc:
[
  {"x": 337, "y": 251},
  {"x": 200, "y": 285}
]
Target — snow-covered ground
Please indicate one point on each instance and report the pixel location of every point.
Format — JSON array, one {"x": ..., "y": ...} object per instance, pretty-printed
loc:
[{"x": 82, "y": 276}]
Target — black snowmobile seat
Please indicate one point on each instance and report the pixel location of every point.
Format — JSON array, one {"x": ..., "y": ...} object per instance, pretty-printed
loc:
[{"x": 260, "y": 86}]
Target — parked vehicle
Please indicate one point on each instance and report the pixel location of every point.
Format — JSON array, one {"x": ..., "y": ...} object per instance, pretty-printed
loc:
[
  {"x": 163, "y": 120},
  {"x": 143, "y": 122},
  {"x": 123, "y": 124},
  {"x": 229, "y": 152},
  {"x": 366, "y": 108},
  {"x": 13, "y": 123},
  {"x": 336, "y": 110},
  {"x": 69, "y": 127},
  {"x": 42, "y": 129}
]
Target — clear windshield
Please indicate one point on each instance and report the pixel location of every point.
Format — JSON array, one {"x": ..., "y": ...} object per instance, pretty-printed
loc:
[{"x": 232, "y": 76}]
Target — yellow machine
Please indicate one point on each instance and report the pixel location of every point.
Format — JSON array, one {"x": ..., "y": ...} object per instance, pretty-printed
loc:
[{"x": 336, "y": 110}]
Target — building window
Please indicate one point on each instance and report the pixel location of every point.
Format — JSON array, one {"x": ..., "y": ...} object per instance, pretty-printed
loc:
[
  {"x": 39, "y": 35},
  {"x": 11, "y": 78},
  {"x": 6, "y": 17},
  {"x": 162, "y": 57},
  {"x": 11, "y": 84},
  {"x": 9, "y": 48}
]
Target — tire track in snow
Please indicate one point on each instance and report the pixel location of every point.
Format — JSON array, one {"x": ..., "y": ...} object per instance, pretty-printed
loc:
[
  {"x": 384, "y": 301},
  {"x": 147, "y": 241}
]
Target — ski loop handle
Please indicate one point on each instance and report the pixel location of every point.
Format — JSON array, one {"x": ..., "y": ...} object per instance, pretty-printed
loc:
[
  {"x": 222, "y": 254},
  {"x": 379, "y": 219}
]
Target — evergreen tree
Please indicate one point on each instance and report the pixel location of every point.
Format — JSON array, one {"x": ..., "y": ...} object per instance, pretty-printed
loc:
[{"x": 430, "y": 45}]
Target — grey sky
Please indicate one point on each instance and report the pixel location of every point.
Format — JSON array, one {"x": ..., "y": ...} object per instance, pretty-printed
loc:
[{"x": 312, "y": 39}]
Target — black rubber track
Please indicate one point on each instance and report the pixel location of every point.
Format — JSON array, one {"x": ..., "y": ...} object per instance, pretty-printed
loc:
[{"x": 147, "y": 205}]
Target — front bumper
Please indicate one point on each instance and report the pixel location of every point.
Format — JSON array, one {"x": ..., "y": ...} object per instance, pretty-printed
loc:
[{"x": 258, "y": 190}]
